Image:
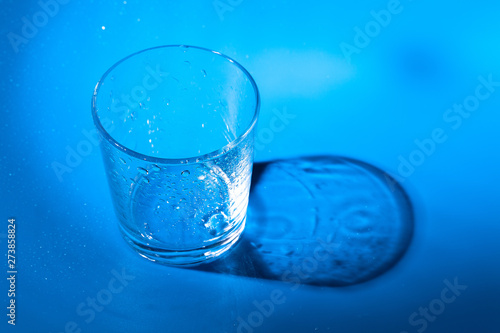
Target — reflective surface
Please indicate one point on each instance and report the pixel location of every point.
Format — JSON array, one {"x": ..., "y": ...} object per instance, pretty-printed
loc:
[{"x": 372, "y": 105}]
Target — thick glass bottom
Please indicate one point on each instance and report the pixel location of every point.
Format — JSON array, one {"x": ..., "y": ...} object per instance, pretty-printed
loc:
[{"x": 184, "y": 258}]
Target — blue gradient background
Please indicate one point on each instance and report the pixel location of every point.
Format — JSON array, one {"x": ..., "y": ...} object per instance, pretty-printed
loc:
[{"x": 394, "y": 91}]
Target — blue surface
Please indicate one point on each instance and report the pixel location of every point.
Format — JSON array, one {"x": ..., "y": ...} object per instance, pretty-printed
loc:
[{"x": 371, "y": 105}]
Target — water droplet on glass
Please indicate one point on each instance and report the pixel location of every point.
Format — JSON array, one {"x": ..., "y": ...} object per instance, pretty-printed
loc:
[
  {"x": 187, "y": 62},
  {"x": 123, "y": 161},
  {"x": 204, "y": 73},
  {"x": 155, "y": 168},
  {"x": 185, "y": 173},
  {"x": 142, "y": 170},
  {"x": 216, "y": 223}
]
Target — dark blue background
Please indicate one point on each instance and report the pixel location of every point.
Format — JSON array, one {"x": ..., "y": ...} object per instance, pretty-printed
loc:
[{"x": 371, "y": 105}]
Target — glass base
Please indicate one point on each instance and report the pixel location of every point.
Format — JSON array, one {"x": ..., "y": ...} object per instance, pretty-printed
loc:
[{"x": 185, "y": 258}]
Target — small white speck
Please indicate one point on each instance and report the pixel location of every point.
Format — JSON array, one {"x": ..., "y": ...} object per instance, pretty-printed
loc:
[
  {"x": 124, "y": 2},
  {"x": 103, "y": 28},
  {"x": 202, "y": 125}
]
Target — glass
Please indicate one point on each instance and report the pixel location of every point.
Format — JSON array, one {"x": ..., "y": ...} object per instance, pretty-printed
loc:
[{"x": 176, "y": 124}]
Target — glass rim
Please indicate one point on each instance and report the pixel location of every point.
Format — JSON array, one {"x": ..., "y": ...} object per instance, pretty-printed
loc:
[{"x": 182, "y": 160}]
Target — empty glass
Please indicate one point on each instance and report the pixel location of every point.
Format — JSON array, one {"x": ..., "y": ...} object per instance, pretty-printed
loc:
[{"x": 176, "y": 124}]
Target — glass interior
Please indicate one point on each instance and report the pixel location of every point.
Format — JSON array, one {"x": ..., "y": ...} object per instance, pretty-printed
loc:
[{"x": 175, "y": 102}]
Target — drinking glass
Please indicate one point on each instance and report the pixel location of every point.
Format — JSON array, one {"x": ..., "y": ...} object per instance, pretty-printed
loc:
[{"x": 176, "y": 125}]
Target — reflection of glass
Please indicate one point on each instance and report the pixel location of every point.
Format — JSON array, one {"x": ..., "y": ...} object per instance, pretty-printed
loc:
[{"x": 177, "y": 127}]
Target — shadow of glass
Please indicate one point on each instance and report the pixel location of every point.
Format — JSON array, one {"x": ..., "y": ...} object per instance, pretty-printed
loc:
[{"x": 325, "y": 220}]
